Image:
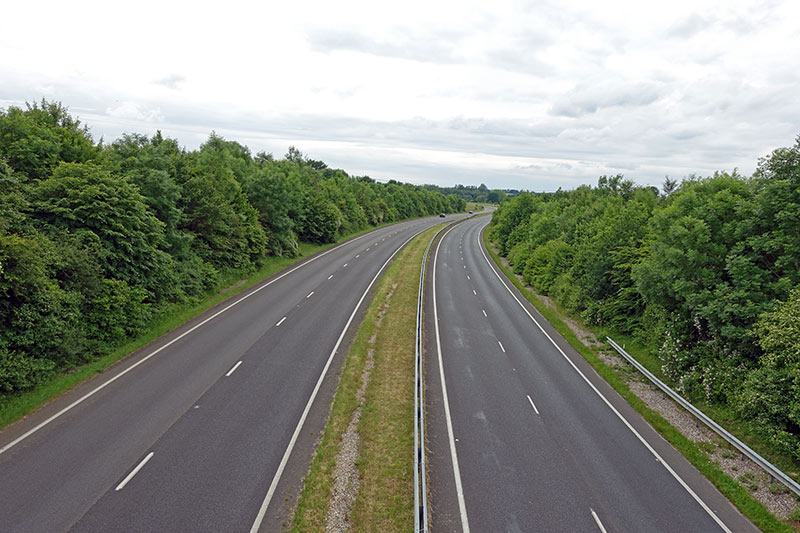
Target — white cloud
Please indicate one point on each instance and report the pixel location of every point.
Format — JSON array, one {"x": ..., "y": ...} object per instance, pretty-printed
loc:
[
  {"x": 510, "y": 93},
  {"x": 136, "y": 112}
]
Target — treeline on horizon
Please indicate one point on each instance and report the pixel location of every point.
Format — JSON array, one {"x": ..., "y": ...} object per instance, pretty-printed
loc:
[
  {"x": 98, "y": 239},
  {"x": 705, "y": 273},
  {"x": 471, "y": 193}
]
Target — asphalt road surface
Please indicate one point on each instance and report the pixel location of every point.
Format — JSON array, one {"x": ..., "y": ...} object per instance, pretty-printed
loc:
[
  {"x": 210, "y": 428},
  {"x": 530, "y": 438}
]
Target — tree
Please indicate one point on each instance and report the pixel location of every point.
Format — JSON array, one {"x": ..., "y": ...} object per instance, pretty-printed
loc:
[
  {"x": 669, "y": 186},
  {"x": 322, "y": 220},
  {"x": 155, "y": 166},
  {"x": 217, "y": 212},
  {"x": 95, "y": 239},
  {"x": 35, "y": 140},
  {"x": 771, "y": 394},
  {"x": 275, "y": 190},
  {"x": 496, "y": 196},
  {"x": 86, "y": 199}
]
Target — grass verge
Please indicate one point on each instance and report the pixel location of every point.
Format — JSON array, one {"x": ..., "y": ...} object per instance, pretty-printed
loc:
[
  {"x": 735, "y": 492},
  {"x": 385, "y": 500},
  {"x": 14, "y": 407}
]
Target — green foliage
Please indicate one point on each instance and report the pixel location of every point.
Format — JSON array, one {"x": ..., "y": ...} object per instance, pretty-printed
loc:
[
  {"x": 471, "y": 193},
  {"x": 19, "y": 372},
  {"x": 701, "y": 274},
  {"x": 276, "y": 191},
  {"x": 35, "y": 140},
  {"x": 748, "y": 479},
  {"x": 322, "y": 220},
  {"x": 771, "y": 393},
  {"x": 97, "y": 240},
  {"x": 795, "y": 515},
  {"x": 38, "y": 318},
  {"x": 89, "y": 202}
]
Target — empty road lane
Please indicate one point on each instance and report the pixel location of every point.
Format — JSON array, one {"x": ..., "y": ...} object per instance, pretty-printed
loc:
[
  {"x": 524, "y": 435},
  {"x": 193, "y": 431}
]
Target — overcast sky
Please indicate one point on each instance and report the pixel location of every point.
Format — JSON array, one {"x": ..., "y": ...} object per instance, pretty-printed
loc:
[{"x": 527, "y": 95}]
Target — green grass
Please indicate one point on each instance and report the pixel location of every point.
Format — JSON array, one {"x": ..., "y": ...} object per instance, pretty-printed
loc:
[
  {"x": 14, "y": 407},
  {"x": 726, "y": 417},
  {"x": 385, "y": 464},
  {"x": 734, "y": 491}
]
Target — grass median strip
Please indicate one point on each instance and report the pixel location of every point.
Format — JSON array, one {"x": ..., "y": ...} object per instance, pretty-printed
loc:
[{"x": 362, "y": 475}]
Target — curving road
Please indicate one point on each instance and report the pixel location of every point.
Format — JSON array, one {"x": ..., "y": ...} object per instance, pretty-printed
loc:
[
  {"x": 210, "y": 428},
  {"x": 523, "y": 435}
]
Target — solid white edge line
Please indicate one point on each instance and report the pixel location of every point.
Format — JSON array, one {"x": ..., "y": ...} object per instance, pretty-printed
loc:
[
  {"x": 232, "y": 370},
  {"x": 597, "y": 520},
  {"x": 675, "y": 475},
  {"x": 462, "y": 507},
  {"x": 280, "y": 321},
  {"x": 532, "y": 404},
  {"x": 168, "y": 344},
  {"x": 501, "y": 346},
  {"x": 134, "y": 471},
  {"x": 285, "y": 459}
]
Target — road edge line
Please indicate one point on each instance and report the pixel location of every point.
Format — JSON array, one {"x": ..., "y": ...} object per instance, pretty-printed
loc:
[
  {"x": 462, "y": 507},
  {"x": 647, "y": 445},
  {"x": 168, "y": 344},
  {"x": 285, "y": 459}
]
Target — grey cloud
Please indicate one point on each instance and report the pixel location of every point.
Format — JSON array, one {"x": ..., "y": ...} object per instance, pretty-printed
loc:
[
  {"x": 623, "y": 166},
  {"x": 685, "y": 143},
  {"x": 430, "y": 48},
  {"x": 173, "y": 81},
  {"x": 588, "y": 98},
  {"x": 741, "y": 25},
  {"x": 518, "y": 60},
  {"x": 686, "y": 134},
  {"x": 521, "y": 55},
  {"x": 689, "y": 26}
]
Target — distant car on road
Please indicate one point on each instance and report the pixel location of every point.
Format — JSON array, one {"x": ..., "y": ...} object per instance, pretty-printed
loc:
[
  {"x": 441, "y": 215},
  {"x": 470, "y": 212}
]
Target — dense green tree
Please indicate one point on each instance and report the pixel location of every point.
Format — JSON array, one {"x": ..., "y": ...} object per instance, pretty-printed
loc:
[
  {"x": 322, "y": 219},
  {"x": 771, "y": 394},
  {"x": 510, "y": 217},
  {"x": 275, "y": 190},
  {"x": 97, "y": 239},
  {"x": 154, "y": 165},
  {"x": 36, "y": 139},
  {"x": 706, "y": 274},
  {"x": 216, "y": 211},
  {"x": 85, "y": 199}
]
